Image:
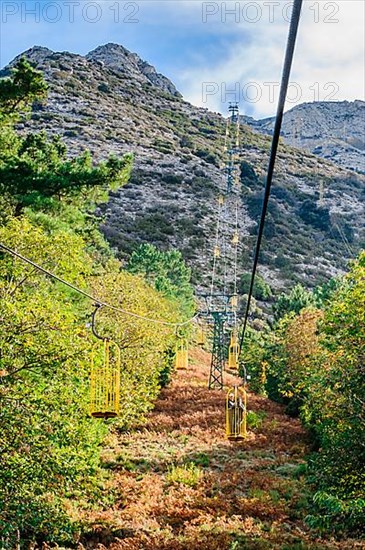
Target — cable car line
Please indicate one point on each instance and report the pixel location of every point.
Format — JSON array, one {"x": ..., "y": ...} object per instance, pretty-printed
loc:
[
  {"x": 236, "y": 401},
  {"x": 289, "y": 55},
  {"x": 89, "y": 296}
]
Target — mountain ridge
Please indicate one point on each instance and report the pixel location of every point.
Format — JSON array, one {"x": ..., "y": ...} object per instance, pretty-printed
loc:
[
  {"x": 342, "y": 130},
  {"x": 111, "y": 55},
  {"x": 105, "y": 102}
]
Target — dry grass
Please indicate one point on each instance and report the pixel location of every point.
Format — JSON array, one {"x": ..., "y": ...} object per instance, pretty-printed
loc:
[{"x": 246, "y": 496}]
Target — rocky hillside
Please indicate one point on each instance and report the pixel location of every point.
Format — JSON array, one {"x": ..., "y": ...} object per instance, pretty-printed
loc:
[
  {"x": 331, "y": 130},
  {"x": 111, "y": 101}
]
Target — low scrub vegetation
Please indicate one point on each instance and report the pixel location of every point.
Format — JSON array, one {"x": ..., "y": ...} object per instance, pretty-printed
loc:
[{"x": 312, "y": 361}]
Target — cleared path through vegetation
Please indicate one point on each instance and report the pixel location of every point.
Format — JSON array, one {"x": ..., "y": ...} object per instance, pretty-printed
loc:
[{"x": 180, "y": 485}]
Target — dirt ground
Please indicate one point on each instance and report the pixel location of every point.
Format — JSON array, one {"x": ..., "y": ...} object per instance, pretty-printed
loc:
[{"x": 179, "y": 484}]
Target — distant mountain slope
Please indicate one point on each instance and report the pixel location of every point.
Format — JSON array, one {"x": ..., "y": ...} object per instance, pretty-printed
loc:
[
  {"x": 332, "y": 130},
  {"x": 112, "y": 101}
]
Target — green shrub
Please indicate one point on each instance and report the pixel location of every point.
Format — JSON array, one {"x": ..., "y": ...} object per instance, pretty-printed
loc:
[
  {"x": 201, "y": 459},
  {"x": 336, "y": 515},
  {"x": 186, "y": 141},
  {"x": 316, "y": 216},
  {"x": 188, "y": 474},
  {"x": 172, "y": 179},
  {"x": 208, "y": 156},
  {"x": 261, "y": 290},
  {"x": 255, "y": 419},
  {"x": 248, "y": 175},
  {"x": 104, "y": 88}
]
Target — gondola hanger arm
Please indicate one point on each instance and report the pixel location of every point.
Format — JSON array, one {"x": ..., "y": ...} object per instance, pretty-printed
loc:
[{"x": 93, "y": 327}]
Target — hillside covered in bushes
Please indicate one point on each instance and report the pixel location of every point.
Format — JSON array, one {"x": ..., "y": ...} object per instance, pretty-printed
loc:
[
  {"x": 162, "y": 476},
  {"x": 49, "y": 445},
  {"x": 312, "y": 361},
  {"x": 112, "y": 101}
]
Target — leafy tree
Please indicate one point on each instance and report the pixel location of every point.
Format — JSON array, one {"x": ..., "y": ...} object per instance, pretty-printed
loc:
[
  {"x": 314, "y": 362},
  {"x": 18, "y": 91},
  {"x": 39, "y": 172},
  {"x": 34, "y": 169},
  {"x": 323, "y": 294},
  {"x": 297, "y": 299},
  {"x": 279, "y": 360},
  {"x": 49, "y": 450},
  {"x": 49, "y": 446},
  {"x": 261, "y": 289},
  {"x": 145, "y": 344},
  {"x": 166, "y": 271},
  {"x": 335, "y": 407},
  {"x": 266, "y": 361},
  {"x": 301, "y": 341},
  {"x": 253, "y": 358}
]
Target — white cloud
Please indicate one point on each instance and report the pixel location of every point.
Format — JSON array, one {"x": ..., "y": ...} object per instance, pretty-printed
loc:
[
  {"x": 329, "y": 58},
  {"x": 225, "y": 48}
]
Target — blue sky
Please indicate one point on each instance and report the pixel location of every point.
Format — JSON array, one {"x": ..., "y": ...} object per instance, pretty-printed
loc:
[{"x": 207, "y": 48}]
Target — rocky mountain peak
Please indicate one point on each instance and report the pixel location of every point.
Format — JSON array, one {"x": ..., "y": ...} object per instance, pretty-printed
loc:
[
  {"x": 332, "y": 130},
  {"x": 108, "y": 56},
  {"x": 120, "y": 59},
  {"x": 113, "y": 55},
  {"x": 36, "y": 55},
  {"x": 37, "y": 52},
  {"x": 47, "y": 61}
]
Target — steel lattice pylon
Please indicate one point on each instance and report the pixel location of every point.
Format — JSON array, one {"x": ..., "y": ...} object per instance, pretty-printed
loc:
[
  {"x": 222, "y": 302},
  {"x": 217, "y": 314}
]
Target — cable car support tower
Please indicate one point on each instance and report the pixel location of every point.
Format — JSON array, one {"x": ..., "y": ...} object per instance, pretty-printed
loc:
[{"x": 222, "y": 301}]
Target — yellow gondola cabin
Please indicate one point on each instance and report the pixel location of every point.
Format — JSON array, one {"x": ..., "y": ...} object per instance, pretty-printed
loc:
[
  {"x": 201, "y": 337},
  {"x": 236, "y": 408},
  {"x": 182, "y": 354},
  {"x": 234, "y": 352},
  {"x": 105, "y": 380}
]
